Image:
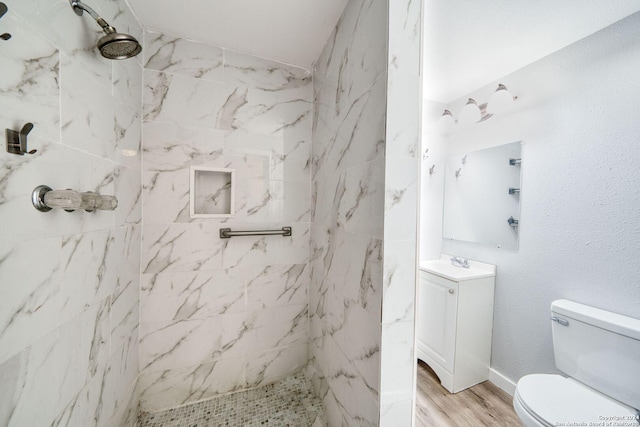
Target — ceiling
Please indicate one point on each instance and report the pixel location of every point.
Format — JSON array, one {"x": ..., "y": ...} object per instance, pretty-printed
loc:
[
  {"x": 470, "y": 43},
  {"x": 290, "y": 31}
]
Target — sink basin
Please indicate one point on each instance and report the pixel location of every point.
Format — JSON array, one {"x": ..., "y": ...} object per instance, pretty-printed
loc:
[{"x": 442, "y": 267}]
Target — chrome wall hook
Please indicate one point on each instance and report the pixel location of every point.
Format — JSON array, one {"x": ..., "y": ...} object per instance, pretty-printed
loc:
[
  {"x": 3, "y": 10},
  {"x": 17, "y": 141}
]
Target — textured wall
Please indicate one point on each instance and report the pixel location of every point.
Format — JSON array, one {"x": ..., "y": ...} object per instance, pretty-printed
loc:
[
  {"x": 350, "y": 82},
  {"x": 69, "y": 281},
  {"x": 579, "y": 233},
  {"x": 221, "y": 315}
]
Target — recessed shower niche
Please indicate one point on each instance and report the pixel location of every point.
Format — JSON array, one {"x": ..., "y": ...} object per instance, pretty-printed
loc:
[{"x": 211, "y": 192}]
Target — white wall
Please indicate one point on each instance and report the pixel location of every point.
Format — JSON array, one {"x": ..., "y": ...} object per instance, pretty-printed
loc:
[
  {"x": 69, "y": 281},
  {"x": 434, "y": 151},
  {"x": 579, "y": 227},
  {"x": 219, "y": 315}
]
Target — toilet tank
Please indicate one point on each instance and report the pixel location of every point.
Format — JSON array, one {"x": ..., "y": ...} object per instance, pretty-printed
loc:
[{"x": 598, "y": 348}]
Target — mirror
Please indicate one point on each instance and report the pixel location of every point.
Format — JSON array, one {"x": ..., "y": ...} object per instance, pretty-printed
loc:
[{"x": 482, "y": 196}]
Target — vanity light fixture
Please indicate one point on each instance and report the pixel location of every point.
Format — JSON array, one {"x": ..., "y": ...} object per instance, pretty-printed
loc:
[
  {"x": 472, "y": 112},
  {"x": 501, "y": 100},
  {"x": 447, "y": 121}
]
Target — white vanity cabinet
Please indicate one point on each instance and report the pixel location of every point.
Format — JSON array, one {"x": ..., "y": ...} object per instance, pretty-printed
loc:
[{"x": 455, "y": 321}]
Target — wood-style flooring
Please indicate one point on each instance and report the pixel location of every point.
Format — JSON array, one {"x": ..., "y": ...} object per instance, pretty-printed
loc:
[{"x": 478, "y": 406}]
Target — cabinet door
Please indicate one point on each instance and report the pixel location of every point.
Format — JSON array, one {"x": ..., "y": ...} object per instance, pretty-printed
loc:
[{"x": 438, "y": 300}]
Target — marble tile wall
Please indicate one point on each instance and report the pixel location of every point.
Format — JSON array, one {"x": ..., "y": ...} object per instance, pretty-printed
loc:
[
  {"x": 69, "y": 281},
  {"x": 402, "y": 177},
  {"x": 219, "y": 315},
  {"x": 348, "y": 208}
]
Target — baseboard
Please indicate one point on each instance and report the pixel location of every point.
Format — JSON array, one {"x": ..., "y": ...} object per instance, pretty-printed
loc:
[{"x": 502, "y": 382}]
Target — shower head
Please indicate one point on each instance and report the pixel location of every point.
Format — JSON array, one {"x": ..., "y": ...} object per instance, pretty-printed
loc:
[
  {"x": 118, "y": 46},
  {"x": 113, "y": 45}
]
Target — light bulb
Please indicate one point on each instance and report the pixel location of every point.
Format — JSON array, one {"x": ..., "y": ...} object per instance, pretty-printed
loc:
[
  {"x": 446, "y": 121},
  {"x": 470, "y": 112},
  {"x": 501, "y": 100}
]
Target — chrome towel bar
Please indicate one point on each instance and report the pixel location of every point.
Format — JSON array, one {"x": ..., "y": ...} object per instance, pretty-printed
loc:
[{"x": 226, "y": 233}]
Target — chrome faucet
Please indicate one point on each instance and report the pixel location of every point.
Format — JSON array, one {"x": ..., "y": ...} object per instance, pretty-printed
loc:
[{"x": 460, "y": 262}]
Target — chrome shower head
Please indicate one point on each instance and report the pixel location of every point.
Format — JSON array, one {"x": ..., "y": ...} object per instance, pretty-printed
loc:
[
  {"x": 113, "y": 45},
  {"x": 119, "y": 46}
]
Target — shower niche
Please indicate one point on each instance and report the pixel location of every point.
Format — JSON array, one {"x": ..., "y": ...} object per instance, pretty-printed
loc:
[{"x": 212, "y": 192}]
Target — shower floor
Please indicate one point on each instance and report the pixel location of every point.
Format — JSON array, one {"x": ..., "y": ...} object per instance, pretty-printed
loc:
[{"x": 289, "y": 402}]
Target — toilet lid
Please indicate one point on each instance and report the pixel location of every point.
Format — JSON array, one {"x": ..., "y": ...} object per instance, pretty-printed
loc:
[{"x": 556, "y": 400}]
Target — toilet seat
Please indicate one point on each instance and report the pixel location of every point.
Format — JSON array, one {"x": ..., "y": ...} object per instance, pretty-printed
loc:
[
  {"x": 551, "y": 400},
  {"x": 525, "y": 416}
]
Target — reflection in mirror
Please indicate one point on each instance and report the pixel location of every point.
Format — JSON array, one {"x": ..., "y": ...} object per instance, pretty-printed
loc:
[{"x": 482, "y": 196}]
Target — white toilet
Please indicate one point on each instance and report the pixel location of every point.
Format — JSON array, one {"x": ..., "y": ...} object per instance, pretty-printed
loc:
[{"x": 600, "y": 352}]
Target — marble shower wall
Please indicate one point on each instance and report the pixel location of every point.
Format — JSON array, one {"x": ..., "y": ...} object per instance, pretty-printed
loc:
[
  {"x": 402, "y": 176},
  {"x": 348, "y": 201},
  {"x": 219, "y": 315},
  {"x": 69, "y": 282}
]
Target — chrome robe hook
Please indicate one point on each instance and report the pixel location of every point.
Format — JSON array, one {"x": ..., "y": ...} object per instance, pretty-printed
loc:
[
  {"x": 3, "y": 10},
  {"x": 17, "y": 141}
]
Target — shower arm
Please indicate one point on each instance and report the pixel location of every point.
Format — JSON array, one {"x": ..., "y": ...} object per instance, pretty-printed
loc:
[{"x": 79, "y": 8}]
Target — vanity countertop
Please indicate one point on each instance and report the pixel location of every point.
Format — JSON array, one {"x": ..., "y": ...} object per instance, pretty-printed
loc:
[{"x": 442, "y": 267}]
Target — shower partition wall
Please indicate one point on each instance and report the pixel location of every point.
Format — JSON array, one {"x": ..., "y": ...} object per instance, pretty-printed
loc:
[
  {"x": 402, "y": 172},
  {"x": 364, "y": 225},
  {"x": 69, "y": 282},
  {"x": 350, "y": 79}
]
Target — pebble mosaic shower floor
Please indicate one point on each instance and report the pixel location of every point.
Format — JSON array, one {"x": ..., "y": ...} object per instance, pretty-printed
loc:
[{"x": 288, "y": 403}]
